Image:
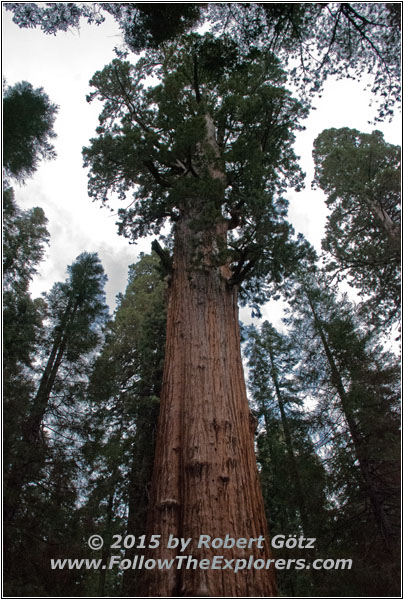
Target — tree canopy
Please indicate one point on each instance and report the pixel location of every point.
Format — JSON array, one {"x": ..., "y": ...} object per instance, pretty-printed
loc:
[
  {"x": 28, "y": 119},
  {"x": 229, "y": 143},
  {"x": 321, "y": 39},
  {"x": 25, "y": 236},
  {"x": 314, "y": 39},
  {"x": 360, "y": 175}
]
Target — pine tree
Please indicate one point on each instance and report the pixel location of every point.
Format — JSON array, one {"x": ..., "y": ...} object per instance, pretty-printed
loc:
[
  {"x": 42, "y": 473},
  {"x": 76, "y": 312},
  {"x": 24, "y": 238},
  {"x": 123, "y": 397},
  {"x": 293, "y": 478},
  {"x": 272, "y": 362},
  {"x": 356, "y": 385},
  {"x": 28, "y": 118}
]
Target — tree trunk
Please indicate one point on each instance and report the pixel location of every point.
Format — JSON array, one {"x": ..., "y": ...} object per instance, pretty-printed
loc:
[
  {"x": 31, "y": 452},
  {"x": 300, "y": 499},
  {"x": 205, "y": 479},
  {"x": 32, "y": 427},
  {"x": 107, "y": 543},
  {"x": 391, "y": 229},
  {"x": 138, "y": 493},
  {"x": 361, "y": 452}
]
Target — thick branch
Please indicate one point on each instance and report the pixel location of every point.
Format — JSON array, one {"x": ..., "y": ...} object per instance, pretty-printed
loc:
[
  {"x": 164, "y": 255},
  {"x": 156, "y": 174},
  {"x": 196, "y": 81}
]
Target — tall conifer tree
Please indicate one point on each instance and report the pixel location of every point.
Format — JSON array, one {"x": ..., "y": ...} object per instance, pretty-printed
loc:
[
  {"x": 357, "y": 387},
  {"x": 76, "y": 314},
  {"x": 123, "y": 395},
  {"x": 361, "y": 175},
  {"x": 209, "y": 150},
  {"x": 294, "y": 480}
]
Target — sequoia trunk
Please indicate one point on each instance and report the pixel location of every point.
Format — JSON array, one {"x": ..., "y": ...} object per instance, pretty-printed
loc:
[
  {"x": 391, "y": 229},
  {"x": 205, "y": 479}
]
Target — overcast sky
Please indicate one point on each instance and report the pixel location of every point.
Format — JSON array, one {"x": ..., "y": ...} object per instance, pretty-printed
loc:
[{"x": 63, "y": 65}]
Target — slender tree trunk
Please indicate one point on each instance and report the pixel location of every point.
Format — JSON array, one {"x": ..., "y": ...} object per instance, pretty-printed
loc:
[
  {"x": 205, "y": 479},
  {"x": 357, "y": 440},
  {"x": 32, "y": 426},
  {"x": 290, "y": 449},
  {"x": 107, "y": 543},
  {"x": 31, "y": 454}
]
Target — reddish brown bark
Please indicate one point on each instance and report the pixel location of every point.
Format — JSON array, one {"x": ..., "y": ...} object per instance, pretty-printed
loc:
[{"x": 205, "y": 477}]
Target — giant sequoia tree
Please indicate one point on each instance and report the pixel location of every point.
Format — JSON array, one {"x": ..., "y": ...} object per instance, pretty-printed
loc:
[
  {"x": 208, "y": 150},
  {"x": 361, "y": 175}
]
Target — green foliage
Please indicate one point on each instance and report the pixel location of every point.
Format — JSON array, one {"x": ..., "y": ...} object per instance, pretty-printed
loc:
[
  {"x": 24, "y": 237},
  {"x": 208, "y": 141},
  {"x": 47, "y": 526},
  {"x": 211, "y": 143},
  {"x": 315, "y": 39},
  {"x": 356, "y": 387},
  {"x": 27, "y": 124},
  {"x": 28, "y": 119},
  {"x": 148, "y": 25},
  {"x": 123, "y": 396},
  {"x": 294, "y": 481},
  {"x": 361, "y": 175},
  {"x": 143, "y": 24},
  {"x": 43, "y": 418},
  {"x": 76, "y": 316},
  {"x": 76, "y": 307}
]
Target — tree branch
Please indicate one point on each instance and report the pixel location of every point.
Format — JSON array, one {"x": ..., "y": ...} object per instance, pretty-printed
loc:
[
  {"x": 155, "y": 173},
  {"x": 164, "y": 255}
]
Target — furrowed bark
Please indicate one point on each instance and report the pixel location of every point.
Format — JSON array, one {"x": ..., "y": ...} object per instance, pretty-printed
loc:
[{"x": 205, "y": 478}]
